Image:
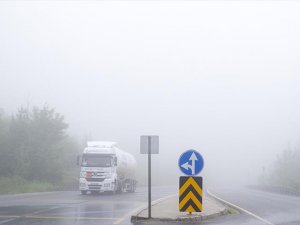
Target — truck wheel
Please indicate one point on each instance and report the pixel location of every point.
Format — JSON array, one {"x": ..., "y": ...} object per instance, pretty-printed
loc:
[
  {"x": 132, "y": 186},
  {"x": 123, "y": 188},
  {"x": 115, "y": 188},
  {"x": 83, "y": 192},
  {"x": 119, "y": 187}
]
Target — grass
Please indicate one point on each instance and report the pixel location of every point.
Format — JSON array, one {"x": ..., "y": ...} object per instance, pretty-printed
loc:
[
  {"x": 16, "y": 185},
  {"x": 70, "y": 180}
]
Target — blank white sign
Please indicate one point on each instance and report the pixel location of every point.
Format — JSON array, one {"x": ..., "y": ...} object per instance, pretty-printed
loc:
[{"x": 154, "y": 143}]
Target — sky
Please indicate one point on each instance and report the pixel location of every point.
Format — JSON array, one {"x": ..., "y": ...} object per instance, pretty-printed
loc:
[{"x": 221, "y": 77}]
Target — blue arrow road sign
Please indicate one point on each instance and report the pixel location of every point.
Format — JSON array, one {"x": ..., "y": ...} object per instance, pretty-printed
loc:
[{"x": 191, "y": 162}]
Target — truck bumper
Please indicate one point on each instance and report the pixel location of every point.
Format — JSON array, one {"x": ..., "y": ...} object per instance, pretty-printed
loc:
[{"x": 106, "y": 185}]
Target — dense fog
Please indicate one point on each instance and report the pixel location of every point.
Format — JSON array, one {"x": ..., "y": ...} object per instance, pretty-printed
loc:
[{"x": 219, "y": 77}]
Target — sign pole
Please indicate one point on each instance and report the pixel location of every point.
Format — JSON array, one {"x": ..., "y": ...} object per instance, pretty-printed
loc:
[
  {"x": 149, "y": 144},
  {"x": 149, "y": 177}
]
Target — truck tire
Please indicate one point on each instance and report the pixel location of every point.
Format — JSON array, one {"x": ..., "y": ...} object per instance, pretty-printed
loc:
[
  {"x": 132, "y": 186},
  {"x": 123, "y": 187},
  {"x": 83, "y": 192},
  {"x": 115, "y": 188},
  {"x": 119, "y": 187}
]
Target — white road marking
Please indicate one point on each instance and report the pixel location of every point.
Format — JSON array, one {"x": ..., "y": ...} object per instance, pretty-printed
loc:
[
  {"x": 13, "y": 217},
  {"x": 141, "y": 208},
  {"x": 7, "y": 221},
  {"x": 43, "y": 210},
  {"x": 68, "y": 218},
  {"x": 240, "y": 209},
  {"x": 120, "y": 220}
]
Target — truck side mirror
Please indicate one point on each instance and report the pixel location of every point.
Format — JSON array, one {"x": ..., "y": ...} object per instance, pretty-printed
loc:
[
  {"x": 78, "y": 160},
  {"x": 116, "y": 161}
]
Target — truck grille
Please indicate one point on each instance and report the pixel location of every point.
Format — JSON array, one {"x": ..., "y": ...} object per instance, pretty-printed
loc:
[
  {"x": 94, "y": 187},
  {"x": 94, "y": 179}
]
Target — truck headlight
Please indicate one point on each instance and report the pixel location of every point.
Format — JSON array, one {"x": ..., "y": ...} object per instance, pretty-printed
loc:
[
  {"x": 83, "y": 174},
  {"x": 109, "y": 175}
]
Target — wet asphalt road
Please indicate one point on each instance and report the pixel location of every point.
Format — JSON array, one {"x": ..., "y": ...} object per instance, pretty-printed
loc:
[
  {"x": 66, "y": 208},
  {"x": 274, "y": 209},
  {"x": 279, "y": 209},
  {"x": 71, "y": 208}
]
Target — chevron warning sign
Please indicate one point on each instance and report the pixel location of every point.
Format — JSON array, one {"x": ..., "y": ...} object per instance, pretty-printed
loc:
[{"x": 190, "y": 194}]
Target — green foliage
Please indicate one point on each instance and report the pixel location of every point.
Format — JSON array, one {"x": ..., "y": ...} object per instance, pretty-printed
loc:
[
  {"x": 34, "y": 145},
  {"x": 5, "y": 154},
  {"x": 286, "y": 169},
  {"x": 15, "y": 184}
]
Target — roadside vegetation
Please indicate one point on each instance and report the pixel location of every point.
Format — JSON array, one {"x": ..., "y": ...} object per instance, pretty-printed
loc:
[
  {"x": 285, "y": 171},
  {"x": 16, "y": 184},
  {"x": 36, "y": 153}
]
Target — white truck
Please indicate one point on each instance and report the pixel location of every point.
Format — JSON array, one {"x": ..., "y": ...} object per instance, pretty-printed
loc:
[{"x": 106, "y": 168}]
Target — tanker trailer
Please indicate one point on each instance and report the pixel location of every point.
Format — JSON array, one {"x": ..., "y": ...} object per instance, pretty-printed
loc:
[{"x": 106, "y": 168}]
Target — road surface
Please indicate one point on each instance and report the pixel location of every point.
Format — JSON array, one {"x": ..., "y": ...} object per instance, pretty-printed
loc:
[
  {"x": 274, "y": 208},
  {"x": 71, "y": 208}
]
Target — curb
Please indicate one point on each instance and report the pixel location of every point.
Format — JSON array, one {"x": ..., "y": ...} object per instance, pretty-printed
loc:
[
  {"x": 138, "y": 218},
  {"x": 232, "y": 206},
  {"x": 184, "y": 218}
]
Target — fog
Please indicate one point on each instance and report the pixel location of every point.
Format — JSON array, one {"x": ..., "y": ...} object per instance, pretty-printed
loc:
[{"x": 221, "y": 77}]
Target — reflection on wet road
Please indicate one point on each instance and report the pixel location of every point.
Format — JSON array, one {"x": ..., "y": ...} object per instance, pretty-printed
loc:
[{"x": 72, "y": 208}]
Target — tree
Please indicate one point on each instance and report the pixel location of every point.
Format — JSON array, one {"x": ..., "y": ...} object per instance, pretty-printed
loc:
[
  {"x": 286, "y": 169},
  {"x": 33, "y": 146},
  {"x": 4, "y": 153},
  {"x": 46, "y": 153}
]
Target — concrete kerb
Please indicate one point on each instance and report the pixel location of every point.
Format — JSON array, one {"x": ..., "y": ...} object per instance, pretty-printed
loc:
[
  {"x": 202, "y": 217},
  {"x": 138, "y": 211},
  {"x": 196, "y": 217},
  {"x": 228, "y": 204}
]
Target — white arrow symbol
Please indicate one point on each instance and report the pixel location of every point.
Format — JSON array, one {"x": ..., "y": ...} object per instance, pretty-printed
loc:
[{"x": 187, "y": 166}]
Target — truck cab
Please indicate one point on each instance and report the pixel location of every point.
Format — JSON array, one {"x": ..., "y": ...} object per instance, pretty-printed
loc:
[{"x": 100, "y": 171}]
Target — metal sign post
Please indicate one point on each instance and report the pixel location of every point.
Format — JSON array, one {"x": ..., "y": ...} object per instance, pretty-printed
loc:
[
  {"x": 149, "y": 177},
  {"x": 149, "y": 145}
]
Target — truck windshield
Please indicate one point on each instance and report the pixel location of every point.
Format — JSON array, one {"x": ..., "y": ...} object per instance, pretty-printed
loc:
[{"x": 96, "y": 161}]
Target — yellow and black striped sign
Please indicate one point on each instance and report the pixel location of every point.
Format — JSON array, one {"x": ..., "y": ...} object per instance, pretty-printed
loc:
[{"x": 190, "y": 194}]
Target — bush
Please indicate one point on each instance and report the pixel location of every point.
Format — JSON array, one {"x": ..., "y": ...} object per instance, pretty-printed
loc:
[
  {"x": 286, "y": 170},
  {"x": 15, "y": 185}
]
